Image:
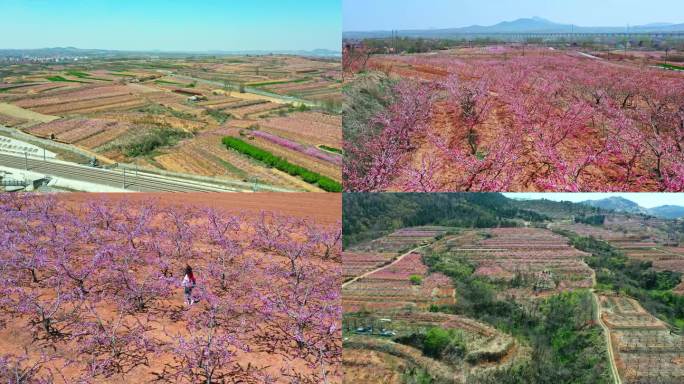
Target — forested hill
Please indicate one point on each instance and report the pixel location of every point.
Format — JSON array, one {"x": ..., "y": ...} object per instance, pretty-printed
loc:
[
  {"x": 558, "y": 209},
  {"x": 370, "y": 215}
]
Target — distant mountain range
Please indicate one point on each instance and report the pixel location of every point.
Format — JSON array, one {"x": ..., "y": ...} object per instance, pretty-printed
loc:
[
  {"x": 620, "y": 204},
  {"x": 79, "y": 52},
  {"x": 525, "y": 25}
]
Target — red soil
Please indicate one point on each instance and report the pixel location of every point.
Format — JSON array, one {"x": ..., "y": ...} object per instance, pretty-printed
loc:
[{"x": 324, "y": 208}]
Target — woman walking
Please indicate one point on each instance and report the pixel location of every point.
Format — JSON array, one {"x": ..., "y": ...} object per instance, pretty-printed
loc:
[{"x": 188, "y": 284}]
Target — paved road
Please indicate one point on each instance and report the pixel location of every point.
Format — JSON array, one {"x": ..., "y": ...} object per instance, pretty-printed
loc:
[
  {"x": 144, "y": 182},
  {"x": 384, "y": 266}
]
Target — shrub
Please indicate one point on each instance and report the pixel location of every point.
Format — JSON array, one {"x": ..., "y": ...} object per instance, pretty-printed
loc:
[
  {"x": 153, "y": 139},
  {"x": 220, "y": 116},
  {"x": 416, "y": 279},
  {"x": 436, "y": 341}
]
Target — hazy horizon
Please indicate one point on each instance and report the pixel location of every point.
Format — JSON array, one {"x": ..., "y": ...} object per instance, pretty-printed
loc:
[
  {"x": 173, "y": 25},
  {"x": 646, "y": 200},
  {"x": 361, "y": 15}
]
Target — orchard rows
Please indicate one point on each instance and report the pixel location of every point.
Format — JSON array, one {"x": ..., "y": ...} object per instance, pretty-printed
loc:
[
  {"x": 91, "y": 292},
  {"x": 544, "y": 121}
]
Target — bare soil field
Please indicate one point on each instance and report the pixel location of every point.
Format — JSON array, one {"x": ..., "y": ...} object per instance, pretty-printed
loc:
[
  {"x": 20, "y": 113},
  {"x": 322, "y": 208}
]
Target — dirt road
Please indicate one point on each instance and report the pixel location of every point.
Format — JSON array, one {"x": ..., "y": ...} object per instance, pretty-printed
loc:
[{"x": 606, "y": 332}]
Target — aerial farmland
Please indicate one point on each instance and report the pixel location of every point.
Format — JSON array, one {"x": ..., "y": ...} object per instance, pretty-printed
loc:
[
  {"x": 484, "y": 288},
  {"x": 271, "y": 120}
]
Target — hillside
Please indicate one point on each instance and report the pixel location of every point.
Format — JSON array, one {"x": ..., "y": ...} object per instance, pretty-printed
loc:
[
  {"x": 667, "y": 211},
  {"x": 616, "y": 203},
  {"x": 523, "y": 25},
  {"x": 620, "y": 204},
  {"x": 369, "y": 215}
]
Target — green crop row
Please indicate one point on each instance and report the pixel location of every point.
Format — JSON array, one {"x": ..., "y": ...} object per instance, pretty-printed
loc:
[
  {"x": 275, "y": 82},
  {"x": 330, "y": 149},
  {"x": 325, "y": 183},
  {"x": 670, "y": 66},
  {"x": 62, "y": 79}
]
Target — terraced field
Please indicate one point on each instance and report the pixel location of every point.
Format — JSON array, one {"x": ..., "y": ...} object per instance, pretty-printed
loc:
[
  {"x": 663, "y": 257},
  {"x": 637, "y": 241},
  {"x": 374, "y": 254},
  {"x": 392, "y": 288},
  {"x": 403, "y": 239},
  {"x": 391, "y": 296},
  {"x": 646, "y": 351},
  {"x": 543, "y": 261}
]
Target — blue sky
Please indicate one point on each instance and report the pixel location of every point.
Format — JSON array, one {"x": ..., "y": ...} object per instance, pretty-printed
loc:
[
  {"x": 365, "y": 15},
  {"x": 646, "y": 200},
  {"x": 185, "y": 25}
]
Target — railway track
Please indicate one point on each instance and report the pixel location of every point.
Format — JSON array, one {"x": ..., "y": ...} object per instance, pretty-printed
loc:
[{"x": 142, "y": 182}]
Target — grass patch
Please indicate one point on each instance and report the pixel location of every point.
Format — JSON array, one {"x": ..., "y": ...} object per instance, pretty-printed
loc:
[
  {"x": 155, "y": 138},
  {"x": 232, "y": 168},
  {"x": 325, "y": 183},
  {"x": 157, "y": 109},
  {"x": 84, "y": 75},
  {"x": 220, "y": 116},
  {"x": 62, "y": 79},
  {"x": 670, "y": 66},
  {"x": 331, "y": 149},
  {"x": 80, "y": 75}
]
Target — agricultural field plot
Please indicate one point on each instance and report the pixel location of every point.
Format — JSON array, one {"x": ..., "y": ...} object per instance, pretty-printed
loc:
[
  {"x": 601, "y": 232},
  {"x": 14, "y": 113},
  {"x": 403, "y": 239},
  {"x": 540, "y": 260},
  {"x": 400, "y": 285},
  {"x": 495, "y": 119},
  {"x": 162, "y": 113},
  {"x": 92, "y": 289},
  {"x": 663, "y": 258},
  {"x": 309, "y": 127},
  {"x": 646, "y": 351},
  {"x": 396, "y": 299},
  {"x": 313, "y": 158},
  {"x": 638, "y": 242},
  {"x": 377, "y": 360},
  {"x": 358, "y": 263},
  {"x": 310, "y": 79},
  {"x": 206, "y": 156}
]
